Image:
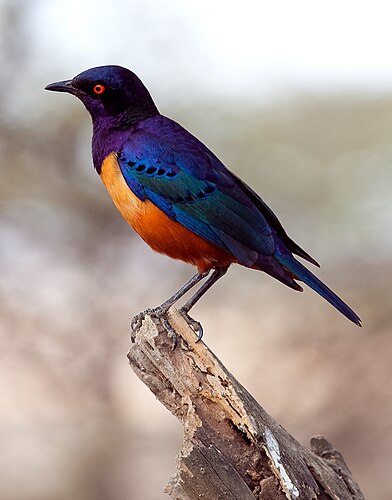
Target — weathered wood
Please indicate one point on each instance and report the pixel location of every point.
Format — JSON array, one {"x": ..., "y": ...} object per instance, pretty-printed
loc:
[{"x": 232, "y": 448}]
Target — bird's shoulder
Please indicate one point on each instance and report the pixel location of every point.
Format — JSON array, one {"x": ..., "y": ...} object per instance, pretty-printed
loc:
[{"x": 161, "y": 138}]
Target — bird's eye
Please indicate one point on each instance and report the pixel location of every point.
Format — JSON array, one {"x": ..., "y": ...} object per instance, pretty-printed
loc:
[{"x": 99, "y": 89}]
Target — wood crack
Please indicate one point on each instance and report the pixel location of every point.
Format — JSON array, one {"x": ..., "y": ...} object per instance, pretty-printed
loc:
[{"x": 232, "y": 449}]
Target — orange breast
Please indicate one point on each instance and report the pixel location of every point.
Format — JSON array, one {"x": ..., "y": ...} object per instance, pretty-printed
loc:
[{"x": 160, "y": 232}]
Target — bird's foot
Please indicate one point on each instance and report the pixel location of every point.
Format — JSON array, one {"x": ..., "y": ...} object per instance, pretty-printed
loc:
[
  {"x": 195, "y": 325},
  {"x": 159, "y": 313},
  {"x": 136, "y": 321}
]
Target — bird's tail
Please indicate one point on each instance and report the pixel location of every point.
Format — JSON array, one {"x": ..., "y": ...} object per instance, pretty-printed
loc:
[{"x": 301, "y": 273}]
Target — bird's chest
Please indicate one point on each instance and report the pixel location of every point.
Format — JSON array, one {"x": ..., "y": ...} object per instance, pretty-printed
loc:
[
  {"x": 145, "y": 218},
  {"x": 128, "y": 204},
  {"x": 157, "y": 229}
]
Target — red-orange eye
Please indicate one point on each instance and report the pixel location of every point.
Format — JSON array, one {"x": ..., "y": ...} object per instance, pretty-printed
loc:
[{"x": 99, "y": 89}]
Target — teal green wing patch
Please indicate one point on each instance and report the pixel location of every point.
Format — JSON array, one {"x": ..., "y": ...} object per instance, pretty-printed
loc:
[{"x": 206, "y": 206}]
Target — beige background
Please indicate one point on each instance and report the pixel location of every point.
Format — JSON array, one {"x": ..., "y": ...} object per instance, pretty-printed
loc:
[{"x": 74, "y": 420}]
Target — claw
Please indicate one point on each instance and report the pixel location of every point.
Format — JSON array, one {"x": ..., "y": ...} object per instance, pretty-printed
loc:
[
  {"x": 136, "y": 321},
  {"x": 201, "y": 332},
  {"x": 195, "y": 325},
  {"x": 171, "y": 332}
]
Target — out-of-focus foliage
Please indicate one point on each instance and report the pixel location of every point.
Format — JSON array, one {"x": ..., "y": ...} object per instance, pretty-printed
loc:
[{"x": 74, "y": 420}]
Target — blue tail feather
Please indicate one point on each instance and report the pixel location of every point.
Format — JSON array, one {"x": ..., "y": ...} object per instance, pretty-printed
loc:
[{"x": 300, "y": 272}]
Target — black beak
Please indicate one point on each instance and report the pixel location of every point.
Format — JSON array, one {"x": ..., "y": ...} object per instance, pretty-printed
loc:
[{"x": 64, "y": 86}]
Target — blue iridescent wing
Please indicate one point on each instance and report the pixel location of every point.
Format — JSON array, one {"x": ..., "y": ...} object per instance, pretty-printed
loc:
[{"x": 203, "y": 197}]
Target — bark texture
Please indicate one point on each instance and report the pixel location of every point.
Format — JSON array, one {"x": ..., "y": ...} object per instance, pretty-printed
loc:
[{"x": 232, "y": 449}]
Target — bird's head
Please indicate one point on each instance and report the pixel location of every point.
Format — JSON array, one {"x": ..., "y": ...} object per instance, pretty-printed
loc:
[{"x": 110, "y": 92}]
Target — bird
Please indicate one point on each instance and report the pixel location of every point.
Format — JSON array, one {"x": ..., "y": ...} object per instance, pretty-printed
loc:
[{"x": 179, "y": 197}]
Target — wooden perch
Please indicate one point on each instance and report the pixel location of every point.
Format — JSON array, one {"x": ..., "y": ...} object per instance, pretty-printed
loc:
[{"x": 232, "y": 448}]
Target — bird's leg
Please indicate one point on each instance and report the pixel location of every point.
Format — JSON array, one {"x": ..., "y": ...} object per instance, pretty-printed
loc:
[
  {"x": 215, "y": 276},
  {"x": 182, "y": 291},
  {"x": 163, "y": 308}
]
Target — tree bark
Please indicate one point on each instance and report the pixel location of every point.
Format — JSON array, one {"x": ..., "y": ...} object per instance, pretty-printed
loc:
[{"x": 232, "y": 448}]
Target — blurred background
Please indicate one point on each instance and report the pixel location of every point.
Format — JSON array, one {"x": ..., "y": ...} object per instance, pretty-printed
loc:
[{"x": 295, "y": 97}]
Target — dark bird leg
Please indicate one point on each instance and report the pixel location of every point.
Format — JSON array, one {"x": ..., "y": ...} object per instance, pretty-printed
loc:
[
  {"x": 215, "y": 276},
  {"x": 183, "y": 290},
  {"x": 160, "y": 311}
]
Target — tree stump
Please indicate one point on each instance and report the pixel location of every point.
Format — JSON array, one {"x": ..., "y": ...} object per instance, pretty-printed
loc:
[{"x": 232, "y": 449}]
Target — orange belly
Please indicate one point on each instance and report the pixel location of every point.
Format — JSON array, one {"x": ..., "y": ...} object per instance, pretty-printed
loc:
[{"x": 160, "y": 232}]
